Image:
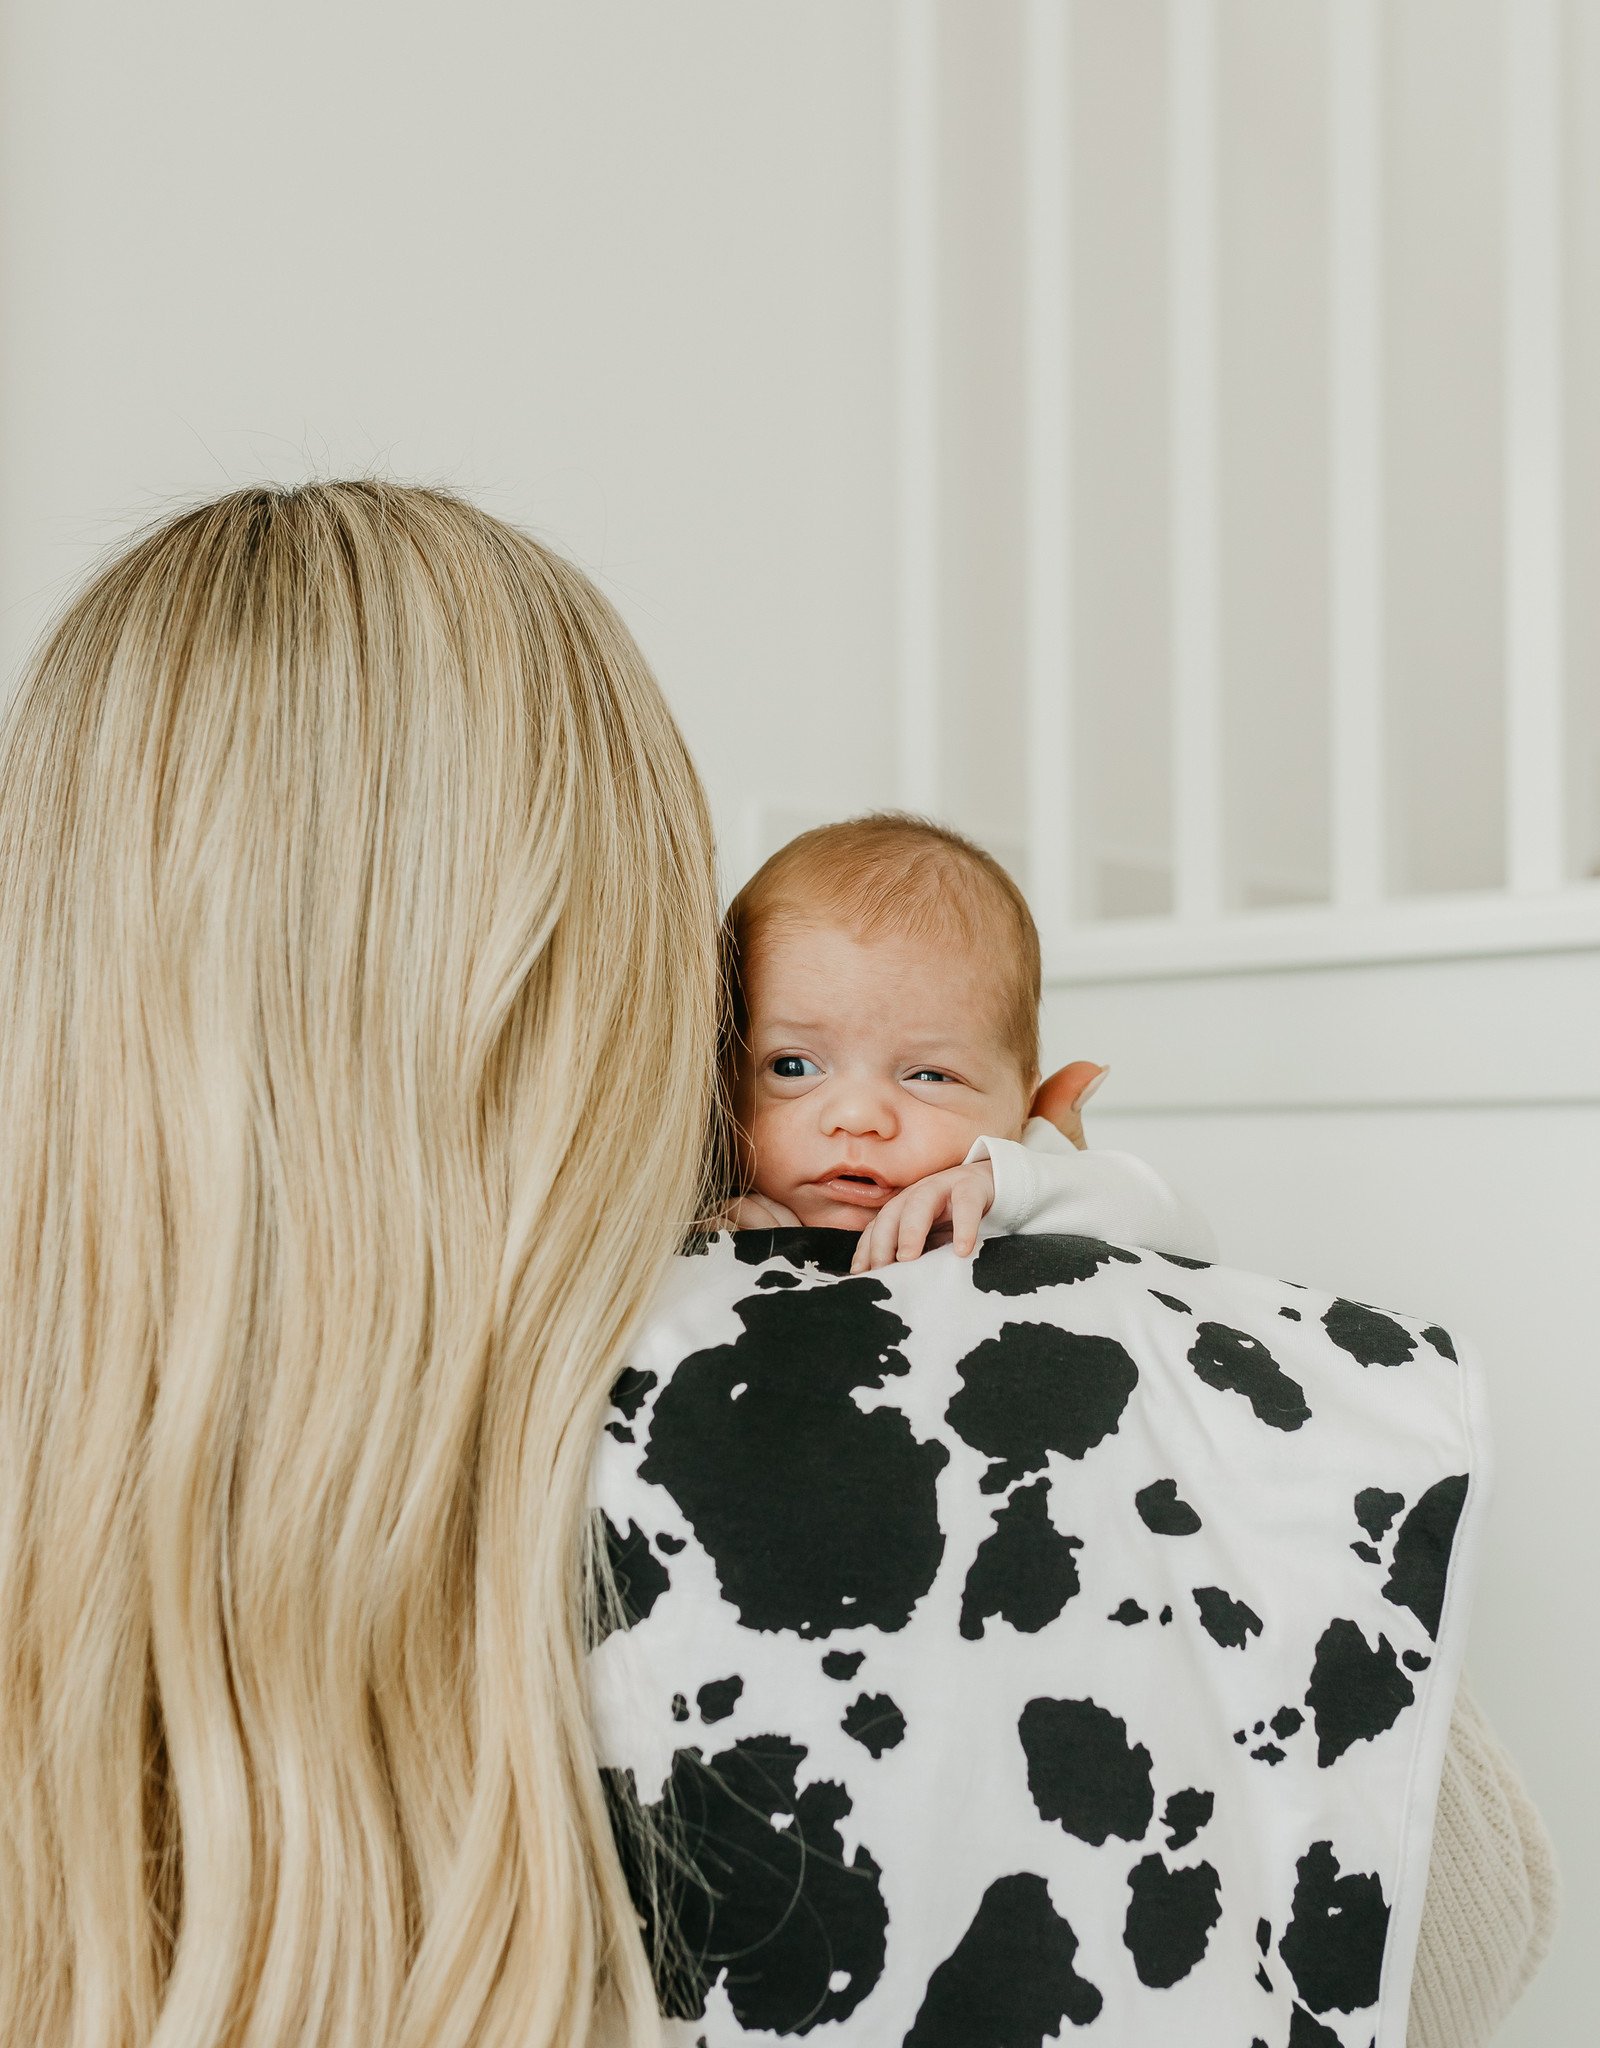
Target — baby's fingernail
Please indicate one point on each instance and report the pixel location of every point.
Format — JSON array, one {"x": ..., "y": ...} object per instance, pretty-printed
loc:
[{"x": 1093, "y": 1087}]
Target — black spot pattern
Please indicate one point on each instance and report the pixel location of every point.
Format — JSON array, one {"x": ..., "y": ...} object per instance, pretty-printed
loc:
[
  {"x": 1128, "y": 1613},
  {"x": 1238, "y": 1363},
  {"x": 1305, "y": 2032},
  {"x": 796, "y": 1930},
  {"x": 1333, "y": 1944},
  {"x": 718, "y": 1698},
  {"x": 1227, "y": 1621},
  {"x": 1370, "y": 1337},
  {"x": 1084, "y": 1772},
  {"x": 828, "y": 1251},
  {"x": 1036, "y": 1389},
  {"x": 1024, "y": 1570},
  {"x": 1185, "y": 1814},
  {"x": 817, "y": 1515},
  {"x": 1162, "y": 1512},
  {"x": 1170, "y": 1917},
  {"x": 1375, "y": 1509},
  {"x": 1422, "y": 1552},
  {"x": 1010, "y": 1981},
  {"x": 875, "y": 1722},
  {"x": 628, "y": 1390},
  {"x": 843, "y": 1663},
  {"x": 1356, "y": 1692},
  {"x": 1171, "y": 1301},
  {"x": 1440, "y": 1340},
  {"x": 1022, "y": 1265}
]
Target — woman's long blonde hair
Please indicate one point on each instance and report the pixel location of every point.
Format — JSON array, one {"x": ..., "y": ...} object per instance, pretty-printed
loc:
[{"x": 357, "y": 1024}]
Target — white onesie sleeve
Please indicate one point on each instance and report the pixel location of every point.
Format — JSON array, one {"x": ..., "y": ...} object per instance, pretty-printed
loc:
[{"x": 1046, "y": 1183}]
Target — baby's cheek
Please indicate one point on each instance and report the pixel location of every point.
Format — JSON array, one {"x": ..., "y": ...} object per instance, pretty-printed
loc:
[{"x": 771, "y": 1149}]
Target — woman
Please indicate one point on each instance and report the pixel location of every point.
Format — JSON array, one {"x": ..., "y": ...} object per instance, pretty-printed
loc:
[
  {"x": 357, "y": 1020},
  {"x": 357, "y": 1029}
]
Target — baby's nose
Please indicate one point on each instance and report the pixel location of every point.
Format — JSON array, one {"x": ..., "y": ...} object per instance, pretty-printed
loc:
[{"x": 860, "y": 1110}]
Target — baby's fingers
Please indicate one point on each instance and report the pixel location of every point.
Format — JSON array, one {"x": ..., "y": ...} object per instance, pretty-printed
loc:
[
  {"x": 875, "y": 1246},
  {"x": 924, "y": 1205},
  {"x": 968, "y": 1207}
]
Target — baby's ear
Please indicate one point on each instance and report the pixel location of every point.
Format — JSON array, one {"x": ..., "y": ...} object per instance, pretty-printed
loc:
[{"x": 1059, "y": 1097}]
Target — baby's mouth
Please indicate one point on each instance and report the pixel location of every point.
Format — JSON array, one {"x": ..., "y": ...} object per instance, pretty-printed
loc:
[{"x": 857, "y": 1190}]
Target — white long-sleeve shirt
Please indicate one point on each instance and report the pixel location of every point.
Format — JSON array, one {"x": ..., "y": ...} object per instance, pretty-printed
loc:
[{"x": 1043, "y": 1182}]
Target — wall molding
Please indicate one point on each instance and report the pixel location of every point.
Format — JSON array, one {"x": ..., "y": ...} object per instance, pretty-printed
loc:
[{"x": 1480, "y": 925}]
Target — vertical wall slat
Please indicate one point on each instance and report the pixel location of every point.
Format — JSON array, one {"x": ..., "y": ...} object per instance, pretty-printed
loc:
[
  {"x": 1052, "y": 775},
  {"x": 1198, "y": 884},
  {"x": 918, "y": 695},
  {"x": 1355, "y": 453},
  {"x": 1535, "y": 528}
]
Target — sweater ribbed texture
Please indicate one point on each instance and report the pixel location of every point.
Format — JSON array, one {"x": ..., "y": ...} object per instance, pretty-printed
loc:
[{"x": 1493, "y": 1894}]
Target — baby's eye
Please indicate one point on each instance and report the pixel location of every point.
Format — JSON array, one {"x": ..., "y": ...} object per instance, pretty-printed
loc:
[
  {"x": 928, "y": 1074},
  {"x": 791, "y": 1066}
]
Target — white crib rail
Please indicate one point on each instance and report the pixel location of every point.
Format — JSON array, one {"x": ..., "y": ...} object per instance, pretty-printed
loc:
[
  {"x": 918, "y": 697},
  {"x": 1355, "y": 456},
  {"x": 1542, "y": 905},
  {"x": 1536, "y": 809},
  {"x": 1053, "y": 810}
]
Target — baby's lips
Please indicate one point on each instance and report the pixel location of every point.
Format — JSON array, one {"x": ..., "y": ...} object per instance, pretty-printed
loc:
[{"x": 856, "y": 1194}]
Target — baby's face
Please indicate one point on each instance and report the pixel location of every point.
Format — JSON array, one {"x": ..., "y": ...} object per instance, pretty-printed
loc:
[{"x": 872, "y": 1062}]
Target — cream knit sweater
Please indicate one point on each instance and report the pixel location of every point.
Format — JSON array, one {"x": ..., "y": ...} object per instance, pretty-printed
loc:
[{"x": 1492, "y": 1897}]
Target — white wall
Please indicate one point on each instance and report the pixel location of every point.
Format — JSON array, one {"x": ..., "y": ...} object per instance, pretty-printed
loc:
[
  {"x": 623, "y": 272},
  {"x": 637, "y": 276}
]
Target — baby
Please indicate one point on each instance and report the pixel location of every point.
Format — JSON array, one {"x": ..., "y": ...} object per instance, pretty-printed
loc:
[{"x": 884, "y": 992}]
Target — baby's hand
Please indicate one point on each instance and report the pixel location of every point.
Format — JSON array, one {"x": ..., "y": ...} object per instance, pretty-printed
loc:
[
  {"x": 961, "y": 1196},
  {"x": 760, "y": 1212}
]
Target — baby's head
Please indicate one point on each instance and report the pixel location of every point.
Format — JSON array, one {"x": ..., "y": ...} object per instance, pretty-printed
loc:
[{"x": 884, "y": 995}]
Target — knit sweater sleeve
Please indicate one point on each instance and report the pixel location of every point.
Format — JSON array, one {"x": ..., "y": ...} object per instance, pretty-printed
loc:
[{"x": 1493, "y": 1894}]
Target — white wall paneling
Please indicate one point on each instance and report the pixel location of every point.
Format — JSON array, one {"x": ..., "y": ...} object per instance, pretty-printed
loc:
[
  {"x": 1198, "y": 849},
  {"x": 919, "y": 726},
  {"x": 1355, "y": 427},
  {"x": 1373, "y": 707},
  {"x": 1536, "y": 852},
  {"x": 1052, "y": 800}
]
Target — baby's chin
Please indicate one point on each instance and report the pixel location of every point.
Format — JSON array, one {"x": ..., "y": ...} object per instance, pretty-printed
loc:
[{"x": 823, "y": 1215}]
